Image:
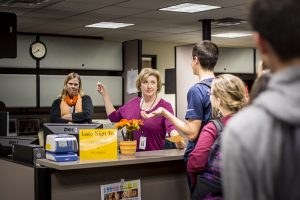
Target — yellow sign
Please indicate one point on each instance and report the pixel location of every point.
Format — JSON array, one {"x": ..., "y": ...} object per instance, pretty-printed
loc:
[{"x": 98, "y": 144}]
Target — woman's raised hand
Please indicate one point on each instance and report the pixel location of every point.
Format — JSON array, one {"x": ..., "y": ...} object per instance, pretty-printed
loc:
[{"x": 101, "y": 88}]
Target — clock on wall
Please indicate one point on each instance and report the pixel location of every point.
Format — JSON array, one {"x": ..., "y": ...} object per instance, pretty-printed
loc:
[{"x": 38, "y": 50}]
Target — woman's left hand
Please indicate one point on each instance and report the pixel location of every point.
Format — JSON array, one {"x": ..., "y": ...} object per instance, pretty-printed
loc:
[
  {"x": 180, "y": 145},
  {"x": 158, "y": 112}
]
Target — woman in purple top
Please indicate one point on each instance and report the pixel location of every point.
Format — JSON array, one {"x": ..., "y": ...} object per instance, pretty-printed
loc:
[{"x": 154, "y": 130}]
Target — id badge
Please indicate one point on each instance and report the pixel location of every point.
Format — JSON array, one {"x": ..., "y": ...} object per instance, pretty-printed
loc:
[{"x": 143, "y": 142}]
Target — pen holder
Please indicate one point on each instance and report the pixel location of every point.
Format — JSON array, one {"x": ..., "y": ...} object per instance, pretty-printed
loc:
[{"x": 128, "y": 147}]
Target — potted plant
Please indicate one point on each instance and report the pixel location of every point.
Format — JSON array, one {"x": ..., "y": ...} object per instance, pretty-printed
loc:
[{"x": 128, "y": 145}]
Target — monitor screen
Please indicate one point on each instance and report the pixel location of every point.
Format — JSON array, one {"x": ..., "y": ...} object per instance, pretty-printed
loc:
[
  {"x": 12, "y": 127},
  {"x": 72, "y": 129},
  {"x": 4, "y": 118},
  {"x": 28, "y": 126}
]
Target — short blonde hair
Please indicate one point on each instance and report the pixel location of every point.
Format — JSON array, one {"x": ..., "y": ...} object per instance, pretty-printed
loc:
[
  {"x": 70, "y": 76},
  {"x": 231, "y": 92},
  {"x": 144, "y": 74}
]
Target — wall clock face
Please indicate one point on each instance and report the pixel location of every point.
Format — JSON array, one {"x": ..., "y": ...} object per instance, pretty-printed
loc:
[{"x": 38, "y": 50}]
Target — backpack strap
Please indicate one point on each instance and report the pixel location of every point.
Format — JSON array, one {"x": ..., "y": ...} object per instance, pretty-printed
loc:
[
  {"x": 205, "y": 82},
  {"x": 219, "y": 125}
]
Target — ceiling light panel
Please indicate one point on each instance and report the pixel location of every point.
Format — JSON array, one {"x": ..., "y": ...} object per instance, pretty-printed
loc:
[
  {"x": 112, "y": 25},
  {"x": 190, "y": 8},
  {"x": 232, "y": 35}
]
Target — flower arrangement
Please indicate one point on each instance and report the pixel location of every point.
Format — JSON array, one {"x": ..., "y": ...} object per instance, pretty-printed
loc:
[{"x": 131, "y": 125}]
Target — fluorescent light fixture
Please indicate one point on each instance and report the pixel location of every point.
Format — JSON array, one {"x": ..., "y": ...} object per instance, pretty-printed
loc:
[
  {"x": 231, "y": 35},
  {"x": 108, "y": 25},
  {"x": 228, "y": 21},
  {"x": 190, "y": 8}
]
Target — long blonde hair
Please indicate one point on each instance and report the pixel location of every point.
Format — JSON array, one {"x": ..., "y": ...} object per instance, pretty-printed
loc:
[
  {"x": 231, "y": 92},
  {"x": 70, "y": 76}
]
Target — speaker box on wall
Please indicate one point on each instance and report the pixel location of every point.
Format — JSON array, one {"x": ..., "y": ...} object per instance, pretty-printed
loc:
[
  {"x": 8, "y": 35},
  {"x": 170, "y": 81}
]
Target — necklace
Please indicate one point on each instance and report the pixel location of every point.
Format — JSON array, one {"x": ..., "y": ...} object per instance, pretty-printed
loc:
[
  {"x": 141, "y": 106},
  {"x": 142, "y": 102}
]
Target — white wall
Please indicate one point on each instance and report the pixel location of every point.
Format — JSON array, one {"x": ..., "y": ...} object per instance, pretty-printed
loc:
[
  {"x": 81, "y": 53},
  {"x": 184, "y": 78},
  {"x": 165, "y": 60},
  {"x": 20, "y": 90},
  {"x": 235, "y": 60}
]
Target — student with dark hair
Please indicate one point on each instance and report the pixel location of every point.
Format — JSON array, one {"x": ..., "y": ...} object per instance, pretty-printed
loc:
[
  {"x": 72, "y": 106},
  {"x": 261, "y": 144},
  {"x": 204, "y": 58}
]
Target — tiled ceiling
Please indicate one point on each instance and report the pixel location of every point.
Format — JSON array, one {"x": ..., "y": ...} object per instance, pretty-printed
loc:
[{"x": 68, "y": 17}]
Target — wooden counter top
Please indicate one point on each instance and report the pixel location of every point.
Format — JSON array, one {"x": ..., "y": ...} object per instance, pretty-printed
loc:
[{"x": 139, "y": 157}]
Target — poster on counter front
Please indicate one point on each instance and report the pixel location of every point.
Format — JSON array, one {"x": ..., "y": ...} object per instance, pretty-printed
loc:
[
  {"x": 129, "y": 190},
  {"x": 98, "y": 144}
]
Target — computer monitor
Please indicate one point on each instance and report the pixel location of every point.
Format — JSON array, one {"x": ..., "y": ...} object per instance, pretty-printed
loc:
[
  {"x": 13, "y": 130},
  {"x": 4, "y": 123},
  {"x": 8, "y": 127},
  {"x": 72, "y": 129},
  {"x": 28, "y": 126}
]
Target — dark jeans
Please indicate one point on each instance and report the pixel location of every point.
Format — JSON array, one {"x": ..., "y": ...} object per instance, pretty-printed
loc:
[
  {"x": 190, "y": 147},
  {"x": 206, "y": 190}
]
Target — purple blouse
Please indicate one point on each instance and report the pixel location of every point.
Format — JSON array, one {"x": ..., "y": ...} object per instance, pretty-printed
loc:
[{"x": 154, "y": 129}]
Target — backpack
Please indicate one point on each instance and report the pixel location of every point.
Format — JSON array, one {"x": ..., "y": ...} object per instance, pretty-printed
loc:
[
  {"x": 191, "y": 144},
  {"x": 287, "y": 173},
  {"x": 209, "y": 181}
]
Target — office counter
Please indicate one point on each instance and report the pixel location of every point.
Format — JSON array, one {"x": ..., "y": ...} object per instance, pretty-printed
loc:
[
  {"x": 139, "y": 158},
  {"x": 162, "y": 175},
  {"x": 16, "y": 180}
]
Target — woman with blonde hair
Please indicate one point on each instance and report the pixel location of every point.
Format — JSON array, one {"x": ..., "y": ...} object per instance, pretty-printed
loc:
[
  {"x": 227, "y": 98},
  {"x": 153, "y": 132},
  {"x": 72, "y": 105}
]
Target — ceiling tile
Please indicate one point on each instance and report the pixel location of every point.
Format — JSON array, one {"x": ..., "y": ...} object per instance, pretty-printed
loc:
[
  {"x": 70, "y": 16},
  {"x": 78, "y": 7},
  {"x": 103, "y": 2},
  {"x": 153, "y": 4},
  {"x": 119, "y": 10}
]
